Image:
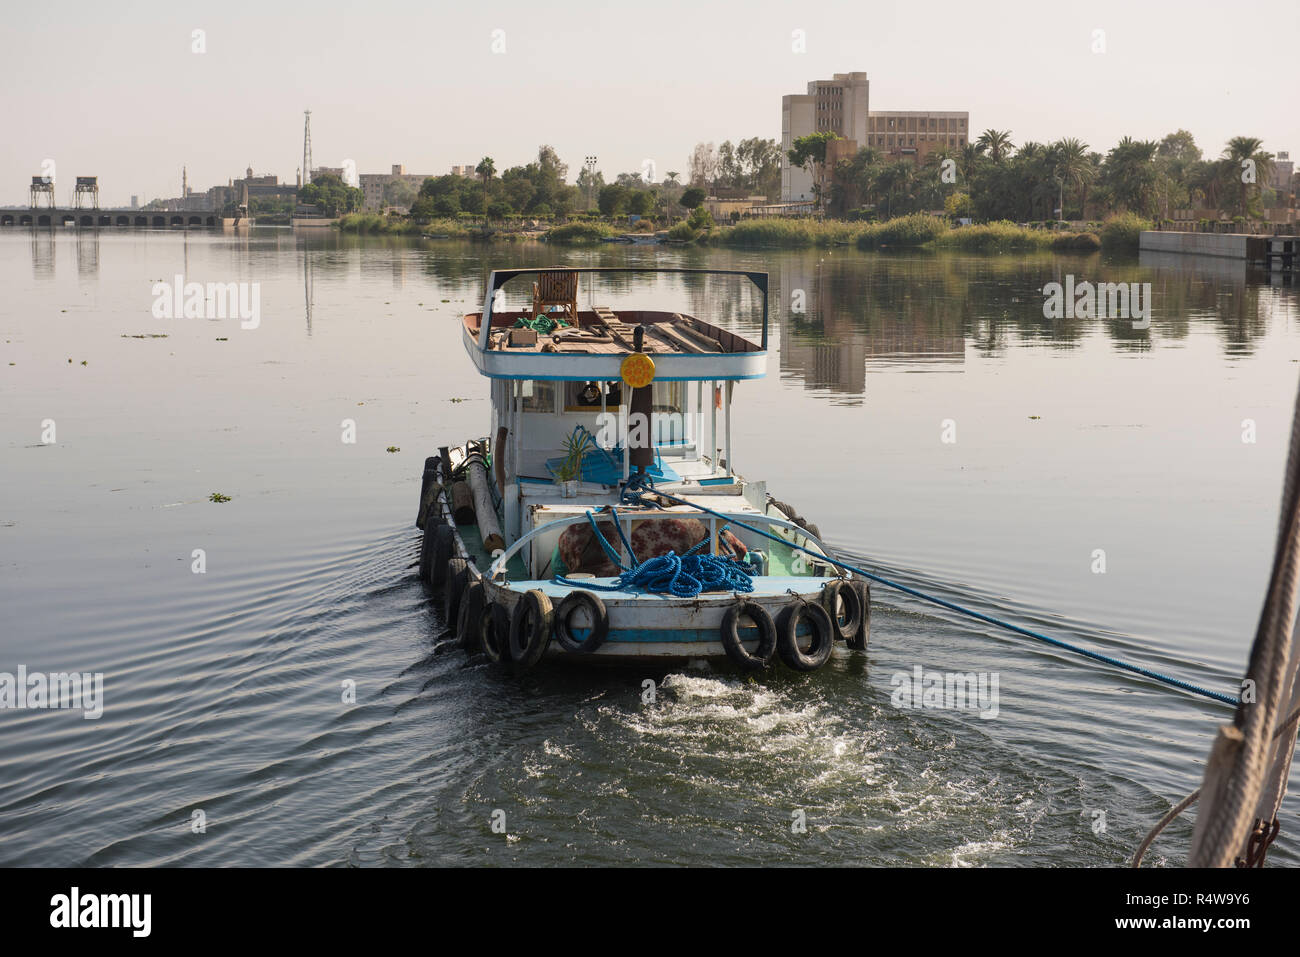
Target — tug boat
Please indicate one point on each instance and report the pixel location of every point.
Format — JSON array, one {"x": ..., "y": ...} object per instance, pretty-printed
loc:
[{"x": 602, "y": 519}]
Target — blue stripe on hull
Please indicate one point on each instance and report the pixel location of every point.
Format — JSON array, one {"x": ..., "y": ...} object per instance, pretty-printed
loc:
[{"x": 664, "y": 636}]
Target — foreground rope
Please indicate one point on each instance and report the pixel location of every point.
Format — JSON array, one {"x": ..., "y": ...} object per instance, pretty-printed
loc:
[
  {"x": 1185, "y": 803},
  {"x": 1245, "y": 776},
  {"x": 952, "y": 606}
]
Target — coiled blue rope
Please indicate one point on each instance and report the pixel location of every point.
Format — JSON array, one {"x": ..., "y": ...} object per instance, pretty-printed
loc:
[
  {"x": 684, "y": 576},
  {"x": 634, "y": 495}
]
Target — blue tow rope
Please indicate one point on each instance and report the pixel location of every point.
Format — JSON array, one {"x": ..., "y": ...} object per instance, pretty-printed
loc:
[
  {"x": 684, "y": 576},
  {"x": 633, "y": 494}
]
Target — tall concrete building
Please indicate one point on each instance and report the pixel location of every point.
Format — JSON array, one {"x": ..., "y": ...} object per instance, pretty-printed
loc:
[
  {"x": 1283, "y": 171},
  {"x": 373, "y": 184},
  {"x": 838, "y": 105},
  {"x": 916, "y": 134}
]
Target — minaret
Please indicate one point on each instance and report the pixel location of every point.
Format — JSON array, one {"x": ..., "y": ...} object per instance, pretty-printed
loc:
[
  {"x": 185, "y": 182},
  {"x": 306, "y": 146}
]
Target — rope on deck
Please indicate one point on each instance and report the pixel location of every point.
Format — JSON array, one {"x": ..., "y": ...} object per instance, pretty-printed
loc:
[{"x": 685, "y": 576}]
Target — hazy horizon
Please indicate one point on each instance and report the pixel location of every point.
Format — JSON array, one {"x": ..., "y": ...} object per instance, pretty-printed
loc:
[{"x": 120, "y": 94}]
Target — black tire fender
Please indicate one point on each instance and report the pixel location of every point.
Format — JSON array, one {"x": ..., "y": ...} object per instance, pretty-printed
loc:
[
  {"x": 530, "y": 630},
  {"x": 730, "y": 635},
  {"x": 598, "y": 613},
  {"x": 860, "y": 638},
  {"x": 471, "y": 610},
  {"x": 452, "y": 590},
  {"x": 428, "y": 479},
  {"x": 443, "y": 538},
  {"x": 427, "y": 543},
  {"x": 823, "y": 629},
  {"x": 493, "y": 633},
  {"x": 841, "y": 592}
]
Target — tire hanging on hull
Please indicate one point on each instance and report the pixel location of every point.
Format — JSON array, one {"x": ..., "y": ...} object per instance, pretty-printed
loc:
[
  {"x": 839, "y": 596},
  {"x": 429, "y": 489},
  {"x": 452, "y": 591},
  {"x": 471, "y": 609},
  {"x": 823, "y": 636},
  {"x": 730, "y": 635},
  {"x": 530, "y": 630},
  {"x": 860, "y": 638},
  {"x": 596, "y": 611}
]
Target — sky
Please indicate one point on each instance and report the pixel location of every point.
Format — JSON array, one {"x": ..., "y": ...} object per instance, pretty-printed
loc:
[{"x": 117, "y": 89}]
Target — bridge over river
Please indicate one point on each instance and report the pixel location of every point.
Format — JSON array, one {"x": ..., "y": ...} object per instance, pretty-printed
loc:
[{"x": 109, "y": 218}]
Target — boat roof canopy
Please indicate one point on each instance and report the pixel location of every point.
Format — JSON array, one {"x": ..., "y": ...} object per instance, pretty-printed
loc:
[{"x": 499, "y": 277}]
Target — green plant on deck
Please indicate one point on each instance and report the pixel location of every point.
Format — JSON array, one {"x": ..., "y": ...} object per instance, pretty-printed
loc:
[{"x": 576, "y": 444}]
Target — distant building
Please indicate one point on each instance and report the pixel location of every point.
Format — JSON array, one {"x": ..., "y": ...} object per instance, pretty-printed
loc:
[
  {"x": 838, "y": 105},
  {"x": 259, "y": 187},
  {"x": 917, "y": 134},
  {"x": 135, "y": 202},
  {"x": 374, "y": 184},
  {"x": 803, "y": 208},
  {"x": 1282, "y": 179},
  {"x": 724, "y": 208},
  {"x": 464, "y": 170}
]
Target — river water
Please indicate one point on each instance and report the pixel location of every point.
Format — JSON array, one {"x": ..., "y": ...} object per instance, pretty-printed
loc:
[{"x": 1115, "y": 487}]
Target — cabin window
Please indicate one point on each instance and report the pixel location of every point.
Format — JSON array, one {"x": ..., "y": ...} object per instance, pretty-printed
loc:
[
  {"x": 585, "y": 396},
  {"x": 668, "y": 419},
  {"x": 538, "y": 396}
]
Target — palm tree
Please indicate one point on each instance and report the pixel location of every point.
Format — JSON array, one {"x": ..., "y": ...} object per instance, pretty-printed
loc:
[
  {"x": 1071, "y": 165},
  {"x": 967, "y": 159},
  {"x": 896, "y": 181},
  {"x": 1032, "y": 164},
  {"x": 1240, "y": 151},
  {"x": 1207, "y": 181},
  {"x": 486, "y": 168},
  {"x": 1130, "y": 169},
  {"x": 855, "y": 178},
  {"x": 997, "y": 143}
]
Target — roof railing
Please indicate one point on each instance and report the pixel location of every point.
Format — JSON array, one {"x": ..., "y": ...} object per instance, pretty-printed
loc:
[{"x": 499, "y": 277}]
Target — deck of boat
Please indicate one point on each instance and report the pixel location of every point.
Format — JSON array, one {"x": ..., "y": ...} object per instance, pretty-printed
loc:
[
  {"x": 765, "y": 586},
  {"x": 602, "y": 331}
]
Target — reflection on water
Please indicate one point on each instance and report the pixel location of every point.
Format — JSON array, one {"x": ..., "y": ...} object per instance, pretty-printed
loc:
[
  {"x": 42, "y": 241},
  {"x": 88, "y": 254},
  {"x": 221, "y": 688}
]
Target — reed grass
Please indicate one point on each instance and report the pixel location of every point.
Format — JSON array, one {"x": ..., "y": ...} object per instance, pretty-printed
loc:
[
  {"x": 578, "y": 233},
  {"x": 1121, "y": 232}
]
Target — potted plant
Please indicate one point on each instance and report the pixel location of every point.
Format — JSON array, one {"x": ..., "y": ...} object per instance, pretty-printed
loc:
[{"x": 576, "y": 444}]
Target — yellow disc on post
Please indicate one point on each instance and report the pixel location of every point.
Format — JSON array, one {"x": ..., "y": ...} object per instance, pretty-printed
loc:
[{"x": 637, "y": 370}]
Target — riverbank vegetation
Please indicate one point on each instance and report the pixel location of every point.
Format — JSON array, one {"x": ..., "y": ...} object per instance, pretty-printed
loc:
[
  {"x": 330, "y": 195},
  {"x": 991, "y": 179},
  {"x": 988, "y": 195},
  {"x": 375, "y": 224},
  {"x": 921, "y": 230},
  {"x": 577, "y": 234}
]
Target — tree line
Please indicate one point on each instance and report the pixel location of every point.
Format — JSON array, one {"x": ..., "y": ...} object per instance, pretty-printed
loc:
[{"x": 994, "y": 179}]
